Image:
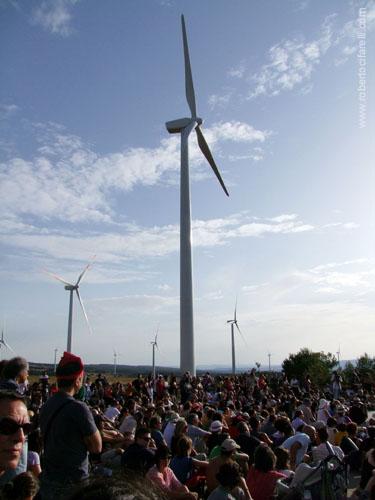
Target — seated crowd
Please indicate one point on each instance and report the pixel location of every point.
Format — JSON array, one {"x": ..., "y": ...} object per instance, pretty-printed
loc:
[{"x": 238, "y": 437}]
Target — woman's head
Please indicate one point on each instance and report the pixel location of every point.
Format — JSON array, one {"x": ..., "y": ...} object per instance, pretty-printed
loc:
[
  {"x": 264, "y": 458},
  {"x": 352, "y": 428},
  {"x": 282, "y": 458},
  {"x": 184, "y": 446},
  {"x": 229, "y": 475},
  {"x": 181, "y": 427}
]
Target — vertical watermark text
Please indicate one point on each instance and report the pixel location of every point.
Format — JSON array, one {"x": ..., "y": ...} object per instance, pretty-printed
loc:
[{"x": 362, "y": 68}]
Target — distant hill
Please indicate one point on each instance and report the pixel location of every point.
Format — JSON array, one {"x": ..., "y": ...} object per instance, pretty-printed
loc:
[{"x": 129, "y": 370}]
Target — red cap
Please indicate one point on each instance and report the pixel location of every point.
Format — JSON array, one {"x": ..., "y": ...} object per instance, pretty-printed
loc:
[{"x": 70, "y": 367}]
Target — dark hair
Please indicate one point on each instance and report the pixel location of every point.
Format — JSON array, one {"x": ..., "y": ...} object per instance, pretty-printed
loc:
[
  {"x": 141, "y": 432},
  {"x": 154, "y": 420},
  {"x": 14, "y": 367},
  {"x": 282, "y": 458},
  {"x": 254, "y": 423},
  {"x": 331, "y": 422},
  {"x": 22, "y": 486},
  {"x": 35, "y": 441},
  {"x": 264, "y": 458},
  {"x": 117, "y": 488},
  {"x": 229, "y": 475},
  {"x": 351, "y": 428},
  {"x": 67, "y": 370},
  {"x": 184, "y": 444},
  {"x": 191, "y": 417},
  {"x": 282, "y": 424},
  {"x": 322, "y": 434},
  {"x": 161, "y": 454},
  {"x": 242, "y": 427}
]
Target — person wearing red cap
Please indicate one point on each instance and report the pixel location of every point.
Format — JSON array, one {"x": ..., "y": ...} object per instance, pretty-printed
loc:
[{"x": 69, "y": 432}]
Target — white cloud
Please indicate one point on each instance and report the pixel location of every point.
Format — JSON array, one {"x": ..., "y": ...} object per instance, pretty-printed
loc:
[
  {"x": 135, "y": 243},
  {"x": 68, "y": 181},
  {"x": 237, "y": 132},
  {"x": 338, "y": 277},
  {"x": 238, "y": 71},
  {"x": 284, "y": 217},
  {"x": 164, "y": 287},
  {"x": 291, "y": 62},
  {"x": 7, "y": 110},
  {"x": 219, "y": 101},
  {"x": 54, "y": 16}
]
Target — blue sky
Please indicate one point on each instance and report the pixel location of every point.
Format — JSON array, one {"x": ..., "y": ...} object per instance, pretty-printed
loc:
[{"x": 88, "y": 168}]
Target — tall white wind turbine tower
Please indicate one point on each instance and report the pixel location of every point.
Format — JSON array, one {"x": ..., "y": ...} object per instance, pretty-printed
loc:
[
  {"x": 185, "y": 126},
  {"x": 71, "y": 288},
  {"x": 234, "y": 323}
]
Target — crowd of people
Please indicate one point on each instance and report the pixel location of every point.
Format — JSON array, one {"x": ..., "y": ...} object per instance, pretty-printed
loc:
[{"x": 249, "y": 436}]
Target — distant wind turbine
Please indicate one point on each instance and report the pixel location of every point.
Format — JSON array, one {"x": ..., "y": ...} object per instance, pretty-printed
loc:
[
  {"x": 54, "y": 360},
  {"x": 185, "y": 126},
  {"x": 71, "y": 289},
  {"x": 154, "y": 344},
  {"x": 116, "y": 355},
  {"x": 3, "y": 343},
  {"x": 233, "y": 322},
  {"x": 338, "y": 356}
]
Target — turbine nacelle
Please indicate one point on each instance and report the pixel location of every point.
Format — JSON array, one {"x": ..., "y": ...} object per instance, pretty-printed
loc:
[
  {"x": 177, "y": 126},
  {"x": 71, "y": 287}
]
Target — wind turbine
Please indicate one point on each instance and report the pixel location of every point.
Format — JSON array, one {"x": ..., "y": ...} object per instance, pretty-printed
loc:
[
  {"x": 116, "y": 355},
  {"x": 154, "y": 344},
  {"x": 185, "y": 126},
  {"x": 269, "y": 362},
  {"x": 3, "y": 343},
  {"x": 233, "y": 322},
  {"x": 54, "y": 360},
  {"x": 71, "y": 289},
  {"x": 338, "y": 356}
]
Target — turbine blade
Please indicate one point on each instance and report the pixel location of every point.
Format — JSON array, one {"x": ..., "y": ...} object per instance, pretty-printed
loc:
[
  {"x": 238, "y": 328},
  {"x": 8, "y": 346},
  {"x": 189, "y": 87},
  {"x": 235, "y": 311},
  {"x": 83, "y": 310},
  {"x": 207, "y": 153},
  {"x": 57, "y": 278},
  {"x": 83, "y": 273}
]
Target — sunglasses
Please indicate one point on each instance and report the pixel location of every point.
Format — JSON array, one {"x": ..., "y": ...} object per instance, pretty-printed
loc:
[{"x": 8, "y": 426}]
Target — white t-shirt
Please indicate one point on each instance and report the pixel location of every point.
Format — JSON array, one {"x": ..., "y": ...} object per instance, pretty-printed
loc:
[
  {"x": 323, "y": 451},
  {"x": 112, "y": 413},
  {"x": 32, "y": 458},
  {"x": 168, "y": 433},
  {"x": 129, "y": 424},
  {"x": 301, "y": 438}
]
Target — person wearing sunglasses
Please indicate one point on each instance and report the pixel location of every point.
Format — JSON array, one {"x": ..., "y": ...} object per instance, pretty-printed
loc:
[
  {"x": 14, "y": 427},
  {"x": 140, "y": 455}
]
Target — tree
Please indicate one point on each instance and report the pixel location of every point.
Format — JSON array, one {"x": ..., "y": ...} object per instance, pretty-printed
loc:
[
  {"x": 317, "y": 364},
  {"x": 363, "y": 370}
]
